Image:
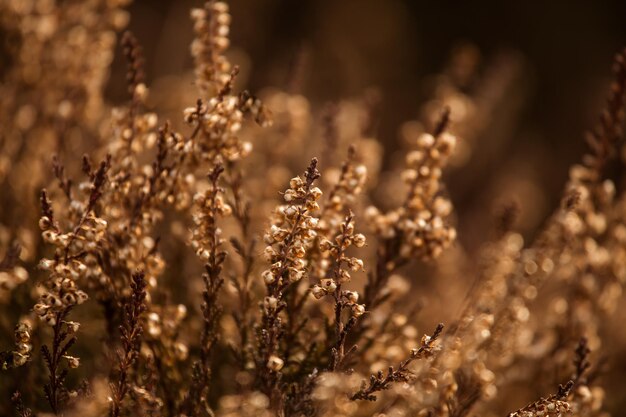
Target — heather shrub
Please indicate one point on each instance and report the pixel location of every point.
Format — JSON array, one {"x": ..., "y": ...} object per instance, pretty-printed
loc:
[{"x": 255, "y": 253}]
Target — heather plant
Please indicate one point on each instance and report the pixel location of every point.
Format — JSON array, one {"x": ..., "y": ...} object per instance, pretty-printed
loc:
[{"x": 173, "y": 277}]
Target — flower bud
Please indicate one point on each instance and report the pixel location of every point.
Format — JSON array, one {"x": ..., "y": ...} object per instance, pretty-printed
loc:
[
  {"x": 295, "y": 274},
  {"x": 268, "y": 277},
  {"x": 289, "y": 195},
  {"x": 296, "y": 182},
  {"x": 359, "y": 240},
  {"x": 426, "y": 140},
  {"x": 358, "y": 310},
  {"x": 352, "y": 296},
  {"x": 72, "y": 361},
  {"x": 73, "y": 326},
  {"x": 271, "y": 303},
  {"x": 275, "y": 363},
  {"x": 329, "y": 285},
  {"x": 316, "y": 193},
  {"x": 318, "y": 292}
]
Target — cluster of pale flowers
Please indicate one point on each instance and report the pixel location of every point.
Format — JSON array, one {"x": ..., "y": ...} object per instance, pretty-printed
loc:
[
  {"x": 334, "y": 251},
  {"x": 421, "y": 222},
  {"x": 61, "y": 291},
  {"x": 211, "y": 27}
]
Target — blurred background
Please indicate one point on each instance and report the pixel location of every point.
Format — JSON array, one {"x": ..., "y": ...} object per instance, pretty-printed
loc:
[{"x": 562, "y": 49}]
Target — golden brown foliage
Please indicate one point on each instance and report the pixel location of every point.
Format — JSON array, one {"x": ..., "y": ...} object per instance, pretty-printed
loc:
[{"x": 146, "y": 291}]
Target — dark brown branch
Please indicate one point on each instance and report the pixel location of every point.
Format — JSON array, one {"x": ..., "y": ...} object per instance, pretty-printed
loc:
[
  {"x": 380, "y": 381},
  {"x": 131, "y": 331}
]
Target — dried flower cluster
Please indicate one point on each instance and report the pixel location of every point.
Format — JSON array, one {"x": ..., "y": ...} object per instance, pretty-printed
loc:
[
  {"x": 173, "y": 279},
  {"x": 23, "y": 347},
  {"x": 421, "y": 223}
]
